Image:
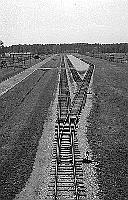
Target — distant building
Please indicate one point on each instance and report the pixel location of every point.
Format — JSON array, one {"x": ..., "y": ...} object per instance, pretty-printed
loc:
[
  {"x": 20, "y": 54},
  {"x": 111, "y": 57},
  {"x": 118, "y": 57}
]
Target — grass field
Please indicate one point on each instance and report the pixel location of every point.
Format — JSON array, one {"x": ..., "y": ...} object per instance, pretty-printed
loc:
[
  {"x": 24, "y": 110},
  {"x": 12, "y": 70},
  {"x": 108, "y": 127}
]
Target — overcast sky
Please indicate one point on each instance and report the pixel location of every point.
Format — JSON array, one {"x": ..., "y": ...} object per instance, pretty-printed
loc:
[{"x": 63, "y": 21}]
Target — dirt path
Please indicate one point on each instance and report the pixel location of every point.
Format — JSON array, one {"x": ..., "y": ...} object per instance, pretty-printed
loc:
[{"x": 36, "y": 187}]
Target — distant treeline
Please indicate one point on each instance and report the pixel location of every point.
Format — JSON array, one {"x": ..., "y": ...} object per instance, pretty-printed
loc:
[{"x": 60, "y": 48}]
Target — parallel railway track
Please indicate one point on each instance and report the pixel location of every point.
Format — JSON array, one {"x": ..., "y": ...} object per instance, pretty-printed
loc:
[{"x": 66, "y": 171}]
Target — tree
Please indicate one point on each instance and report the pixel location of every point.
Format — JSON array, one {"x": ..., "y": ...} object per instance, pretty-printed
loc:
[
  {"x": 1, "y": 47},
  {"x": 1, "y": 43}
]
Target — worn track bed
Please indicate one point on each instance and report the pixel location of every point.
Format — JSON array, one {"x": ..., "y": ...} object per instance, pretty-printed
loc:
[{"x": 67, "y": 171}]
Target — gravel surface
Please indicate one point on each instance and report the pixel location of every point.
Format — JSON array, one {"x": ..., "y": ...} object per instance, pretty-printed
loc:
[
  {"x": 108, "y": 128},
  {"x": 90, "y": 174},
  {"x": 36, "y": 186},
  {"x": 102, "y": 130},
  {"x": 72, "y": 84},
  {"x": 78, "y": 64},
  {"x": 22, "y": 131}
]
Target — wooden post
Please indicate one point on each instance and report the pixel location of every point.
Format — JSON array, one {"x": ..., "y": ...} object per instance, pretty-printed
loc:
[
  {"x": 23, "y": 62},
  {"x": 13, "y": 61},
  {"x": 30, "y": 59}
]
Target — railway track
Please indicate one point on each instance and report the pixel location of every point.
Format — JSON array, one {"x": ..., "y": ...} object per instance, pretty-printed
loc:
[{"x": 67, "y": 171}]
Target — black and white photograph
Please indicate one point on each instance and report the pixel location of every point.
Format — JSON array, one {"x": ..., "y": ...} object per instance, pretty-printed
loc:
[{"x": 63, "y": 99}]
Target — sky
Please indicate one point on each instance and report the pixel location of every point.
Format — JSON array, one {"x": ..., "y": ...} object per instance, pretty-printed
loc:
[{"x": 63, "y": 21}]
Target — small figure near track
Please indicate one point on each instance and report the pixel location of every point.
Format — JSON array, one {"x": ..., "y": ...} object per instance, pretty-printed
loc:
[
  {"x": 3, "y": 64},
  {"x": 87, "y": 160}
]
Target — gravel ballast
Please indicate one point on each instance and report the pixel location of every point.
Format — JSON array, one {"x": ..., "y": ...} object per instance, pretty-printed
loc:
[
  {"x": 37, "y": 185},
  {"x": 108, "y": 127}
]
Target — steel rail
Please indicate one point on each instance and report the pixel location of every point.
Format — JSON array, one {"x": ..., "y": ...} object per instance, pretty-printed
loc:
[{"x": 67, "y": 162}]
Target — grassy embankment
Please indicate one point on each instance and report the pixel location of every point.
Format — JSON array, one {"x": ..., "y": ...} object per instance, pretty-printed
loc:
[
  {"x": 22, "y": 129},
  {"x": 108, "y": 127}
]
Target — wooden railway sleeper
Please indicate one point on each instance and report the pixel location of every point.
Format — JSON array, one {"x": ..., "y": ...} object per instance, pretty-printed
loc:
[{"x": 64, "y": 146}]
